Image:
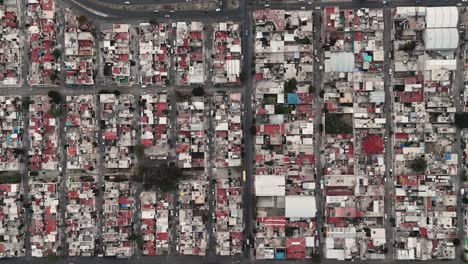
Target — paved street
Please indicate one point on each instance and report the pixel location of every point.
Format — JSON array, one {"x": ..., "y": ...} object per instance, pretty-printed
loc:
[
  {"x": 389, "y": 188},
  {"x": 211, "y": 177},
  {"x": 318, "y": 112},
  {"x": 100, "y": 178}
]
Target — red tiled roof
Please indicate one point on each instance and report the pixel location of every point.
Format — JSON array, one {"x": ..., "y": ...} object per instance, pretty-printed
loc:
[
  {"x": 162, "y": 236},
  {"x": 373, "y": 144},
  {"x": 109, "y": 135},
  {"x": 295, "y": 248}
]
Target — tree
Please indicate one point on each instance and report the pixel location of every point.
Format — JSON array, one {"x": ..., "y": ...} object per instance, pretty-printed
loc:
[
  {"x": 25, "y": 103},
  {"x": 242, "y": 77},
  {"x": 253, "y": 130},
  {"x": 311, "y": 89},
  {"x": 153, "y": 21},
  {"x": 408, "y": 46},
  {"x": 281, "y": 110},
  {"x": 54, "y": 77},
  {"x": 290, "y": 85},
  {"x": 116, "y": 92},
  {"x": 419, "y": 164},
  {"x": 57, "y": 53},
  {"x": 334, "y": 124},
  {"x": 316, "y": 258},
  {"x": 52, "y": 258},
  {"x": 465, "y": 200},
  {"x": 104, "y": 92},
  {"x": 322, "y": 93},
  {"x": 82, "y": 19},
  {"x": 55, "y": 97},
  {"x": 456, "y": 242},
  {"x": 139, "y": 150},
  {"x": 461, "y": 120},
  {"x": 56, "y": 111},
  {"x": 163, "y": 176},
  {"x": 198, "y": 91}
]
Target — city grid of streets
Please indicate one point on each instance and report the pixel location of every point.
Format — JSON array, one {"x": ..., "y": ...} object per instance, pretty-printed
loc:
[{"x": 94, "y": 10}]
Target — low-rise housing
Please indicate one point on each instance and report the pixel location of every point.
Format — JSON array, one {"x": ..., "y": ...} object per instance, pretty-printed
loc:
[
  {"x": 155, "y": 53},
  {"x": 227, "y": 51},
  {"x": 284, "y": 155},
  {"x": 118, "y": 132},
  {"x": 12, "y": 211},
  {"x": 228, "y": 189},
  {"x": 81, "y": 130},
  {"x": 425, "y": 163},
  {"x": 155, "y": 124},
  {"x": 189, "y": 52},
  {"x": 44, "y": 217},
  {"x": 155, "y": 214},
  {"x": 115, "y": 51},
  {"x": 118, "y": 217},
  {"x": 12, "y": 44},
  {"x": 45, "y": 65},
  {"x": 354, "y": 146},
  {"x": 81, "y": 215},
  {"x": 193, "y": 207},
  {"x": 191, "y": 125},
  {"x": 43, "y": 134},
  {"x": 11, "y": 132},
  {"x": 79, "y": 50}
]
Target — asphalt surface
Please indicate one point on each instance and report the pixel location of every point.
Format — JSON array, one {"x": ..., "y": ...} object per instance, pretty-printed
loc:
[
  {"x": 140, "y": 15},
  {"x": 100, "y": 179},
  {"x": 318, "y": 113},
  {"x": 211, "y": 185},
  {"x": 389, "y": 187},
  {"x": 248, "y": 186}
]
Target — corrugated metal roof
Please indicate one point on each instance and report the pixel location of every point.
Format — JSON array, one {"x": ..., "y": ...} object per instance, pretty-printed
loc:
[
  {"x": 441, "y": 17},
  {"x": 441, "y": 38}
]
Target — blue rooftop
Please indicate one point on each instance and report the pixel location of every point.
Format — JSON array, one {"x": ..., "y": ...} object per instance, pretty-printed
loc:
[{"x": 292, "y": 98}]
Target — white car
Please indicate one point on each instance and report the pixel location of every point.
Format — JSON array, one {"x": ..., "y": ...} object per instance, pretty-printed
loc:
[
  {"x": 303, "y": 7},
  {"x": 127, "y": 2},
  {"x": 267, "y": 5},
  {"x": 155, "y": 11},
  {"x": 317, "y": 7},
  {"x": 218, "y": 9}
]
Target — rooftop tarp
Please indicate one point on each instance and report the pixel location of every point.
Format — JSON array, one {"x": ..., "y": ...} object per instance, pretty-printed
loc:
[
  {"x": 340, "y": 62},
  {"x": 441, "y": 17},
  {"x": 441, "y": 38},
  {"x": 298, "y": 206}
]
